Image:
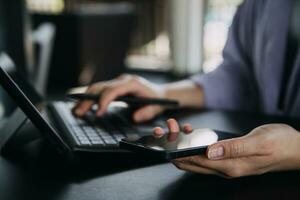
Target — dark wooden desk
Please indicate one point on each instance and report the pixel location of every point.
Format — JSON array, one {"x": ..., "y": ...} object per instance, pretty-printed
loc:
[{"x": 35, "y": 172}]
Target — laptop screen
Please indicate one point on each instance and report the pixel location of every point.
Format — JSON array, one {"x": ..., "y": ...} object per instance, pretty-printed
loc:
[
  {"x": 27, "y": 99},
  {"x": 7, "y": 65},
  {"x": 7, "y": 105}
]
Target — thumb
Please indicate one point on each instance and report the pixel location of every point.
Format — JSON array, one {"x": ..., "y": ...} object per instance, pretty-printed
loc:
[
  {"x": 146, "y": 113},
  {"x": 232, "y": 148}
]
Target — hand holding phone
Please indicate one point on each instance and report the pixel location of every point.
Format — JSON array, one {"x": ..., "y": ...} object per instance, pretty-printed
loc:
[{"x": 175, "y": 143}]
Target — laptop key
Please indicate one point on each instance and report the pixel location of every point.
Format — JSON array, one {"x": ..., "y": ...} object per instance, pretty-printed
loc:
[
  {"x": 88, "y": 129},
  {"x": 85, "y": 142},
  {"x": 83, "y": 138},
  {"x": 109, "y": 141},
  {"x": 94, "y": 137},
  {"x": 90, "y": 134},
  {"x": 98, "y": 142},
  {"x": 80, "y": 135}
]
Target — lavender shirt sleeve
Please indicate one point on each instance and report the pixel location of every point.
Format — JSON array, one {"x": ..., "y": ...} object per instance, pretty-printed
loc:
[{"x": 231, "y": 85}]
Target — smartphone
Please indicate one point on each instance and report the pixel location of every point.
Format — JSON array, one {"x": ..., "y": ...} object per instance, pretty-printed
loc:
[{"x": 194, "y": 143}]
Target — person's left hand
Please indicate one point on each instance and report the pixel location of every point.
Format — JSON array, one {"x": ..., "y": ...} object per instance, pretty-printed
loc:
[{"x": 273, "y": 147}]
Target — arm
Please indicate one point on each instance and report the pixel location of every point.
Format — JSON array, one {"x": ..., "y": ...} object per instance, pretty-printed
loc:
[{"x": 186, "y": 92}]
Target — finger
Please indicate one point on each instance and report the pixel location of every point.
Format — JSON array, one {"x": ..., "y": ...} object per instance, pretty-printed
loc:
[
  {"x": 146, "y": 113},
  {"x": 82, "y": 108},
  {"x": 195, "y": 169},
  {"x": 193, "y": 160},
  {"x": 173, "y": 129},
  {"x": 109, "y": 94},
  {"x": 222, "y": 167},
  {"x": 187, "y": 128},
  {"x": 233, "y": 148},
  {"x": 76, "y": 105},
  {"x": 158, "y": 132},
  {"x": 230, "y": 168}
]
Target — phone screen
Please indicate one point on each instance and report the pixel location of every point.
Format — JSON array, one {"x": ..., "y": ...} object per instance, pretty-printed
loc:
[{"x": 196, "y": 139}]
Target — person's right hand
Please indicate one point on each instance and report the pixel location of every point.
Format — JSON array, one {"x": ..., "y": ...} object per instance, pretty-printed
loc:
[
  {"x": 267, "y": 148},
  {"x": 123, "y": 85}
]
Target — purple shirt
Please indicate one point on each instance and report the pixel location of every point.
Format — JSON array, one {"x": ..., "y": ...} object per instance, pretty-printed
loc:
[{"x": 250, "y": 77}]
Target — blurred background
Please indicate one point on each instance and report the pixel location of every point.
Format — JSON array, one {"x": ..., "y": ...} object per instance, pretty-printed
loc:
[{"x": 59, "y": 44}]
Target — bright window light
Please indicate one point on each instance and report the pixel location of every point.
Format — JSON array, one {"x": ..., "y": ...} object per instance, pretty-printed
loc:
[{"x": 46, "y": 6}]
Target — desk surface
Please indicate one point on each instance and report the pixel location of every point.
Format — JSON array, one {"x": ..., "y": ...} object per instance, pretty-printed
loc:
[{"x": 35, "y": 172}]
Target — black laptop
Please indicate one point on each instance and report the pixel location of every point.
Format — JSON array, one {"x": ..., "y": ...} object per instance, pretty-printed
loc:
[{"x": 55, "y": 121}]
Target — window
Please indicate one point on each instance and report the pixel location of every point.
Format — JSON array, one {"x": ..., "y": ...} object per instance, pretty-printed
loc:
[
  {"x": 156, "y": 52},
  {"x": 151, "y": 46},
  {"x": 46, "y": 6},
  {"x": 218, "y": 17}
]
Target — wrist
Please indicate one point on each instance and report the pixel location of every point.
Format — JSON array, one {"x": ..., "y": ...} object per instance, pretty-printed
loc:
[{"x": 186, "y": 92}]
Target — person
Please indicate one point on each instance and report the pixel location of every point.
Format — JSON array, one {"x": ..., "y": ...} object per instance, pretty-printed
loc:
[{"x": 260, "y": 72}]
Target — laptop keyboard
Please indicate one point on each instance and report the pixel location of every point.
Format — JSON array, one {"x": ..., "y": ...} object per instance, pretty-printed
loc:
[{"x": 85, "y": 133}]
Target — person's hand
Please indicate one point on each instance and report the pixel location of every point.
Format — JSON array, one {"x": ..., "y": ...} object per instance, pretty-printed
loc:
[
  {"x": 124, "y": 85},
  {"x": 273, "y": 147},
  {"x": 174, "y": 130}
]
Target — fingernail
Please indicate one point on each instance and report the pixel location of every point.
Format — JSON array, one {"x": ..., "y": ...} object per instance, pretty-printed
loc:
[
  {"x": 216, "y": 153},
  {"x": 158, "y": 131},
  {"x": 187, "y": 128},
  {"x": 78, "y": 112}
]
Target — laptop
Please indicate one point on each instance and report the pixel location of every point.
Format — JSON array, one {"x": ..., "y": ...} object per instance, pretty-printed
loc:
[{"x": 57, "y": 124}]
